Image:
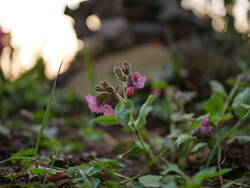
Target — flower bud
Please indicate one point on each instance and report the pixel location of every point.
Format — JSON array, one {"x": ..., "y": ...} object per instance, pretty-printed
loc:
[
  {"x": 205, "y": 130},
  {"x": 126, "y": 68},
  {"x": 130, "y": 91},
  {"x": 119, "y": 74},
  {"x": 99, "y": 89}
]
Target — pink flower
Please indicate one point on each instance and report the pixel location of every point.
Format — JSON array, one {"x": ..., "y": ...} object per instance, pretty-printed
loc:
[
  {"x": 93, "y": 105},
  {"x": 136, "y": 80},
  {"x": 130, "y": 91}
]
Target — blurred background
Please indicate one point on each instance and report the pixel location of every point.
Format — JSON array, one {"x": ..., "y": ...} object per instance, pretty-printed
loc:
[{"x": 201, "y": 35}]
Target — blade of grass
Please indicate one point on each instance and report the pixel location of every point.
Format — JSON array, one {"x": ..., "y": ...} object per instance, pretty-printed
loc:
[
  {"x": 46, "y": 114},
  {"x": 89, "y": 68}
]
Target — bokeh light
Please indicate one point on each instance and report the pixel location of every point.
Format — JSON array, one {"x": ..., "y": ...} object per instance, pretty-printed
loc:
[
  {"x": 39, "y": 28},
  {"x": 93, "y": 22}
]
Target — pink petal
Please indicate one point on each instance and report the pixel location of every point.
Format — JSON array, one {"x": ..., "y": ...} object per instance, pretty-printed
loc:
[
  {"x": 107, "y": 110},
  {"x": 92, "y": 104}
]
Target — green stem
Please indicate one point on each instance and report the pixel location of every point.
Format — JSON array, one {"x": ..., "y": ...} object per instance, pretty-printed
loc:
[
  {"x": 47, "y": 112},
  {"x": 16, "y": 158},
  {"x": 146, "y": 166},
  {"x": 230, "y": 96},
  {"x": 141, "y": 140},
  {"x": 236, "y": 126},
  {"x": 227, "y": 103},
  {"x": 89, "y": 69},
  {"x": 124, "y": 87},
  {"x": 212, "y": 153}
]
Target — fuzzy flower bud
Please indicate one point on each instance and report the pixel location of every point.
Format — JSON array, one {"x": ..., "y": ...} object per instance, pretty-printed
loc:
[
  {"x": 119, "y": 74},
  {"x": 126, "y": 69},
  {"x": 205, "y": 130},
  {"x": 130, "y": 91}
]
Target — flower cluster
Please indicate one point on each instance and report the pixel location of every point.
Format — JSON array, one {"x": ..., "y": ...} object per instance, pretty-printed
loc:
[
  {"x": 107, "y": 97},
  {"x": 104, "y": 100},
  {"x": 131, "y": 80},
  {"x": 205, "y": 130}
]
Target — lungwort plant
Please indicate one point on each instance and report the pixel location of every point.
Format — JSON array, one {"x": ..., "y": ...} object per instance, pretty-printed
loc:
[{"x": 117, "y": 108}]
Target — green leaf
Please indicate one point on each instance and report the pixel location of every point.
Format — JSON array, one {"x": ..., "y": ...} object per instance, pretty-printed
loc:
[
  {"x": 220, "y": 117},
  {"x": 214, "y": 105},
  {"x": 110, "y": 120},
  {"x": 93, "y": 134},
  {"x": 168, "y": 182},
  {"x": 42, "y": 171},
  {"x": 171, "y": 167},
  {"x": 218, "y": 88},
  {"x": 135, "y": 150},
  {"x": 194, "y": 124},
  {"x": 241, "y": 101},
  {"x": 198, "y": 146},
  {"x": 243, "y": 138},
  {"x": 183, "y": 138},
  {"x": 91, "y": 171},
  {"x": 178, "y": 117},
  {"x": 95, "y": 182},
  {"x": 112, "y": 184},
  {"x": 110, "y": 162},
  {"x": 47, "y": 113},
  {"x": 144, "y": 111},
  {"x": 206, "y": 173},
  {"x": 159, "y": 84},
  {"x": 23, "y": 153},
  {"x": 150, "y": 180},
  {"x": 123, "y": 112}
]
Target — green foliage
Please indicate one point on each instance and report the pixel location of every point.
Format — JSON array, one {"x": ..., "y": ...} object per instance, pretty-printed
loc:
[
  {"x": 144, "y": 111},
  {"x": 218, "y": 88},
  {"x": 179, "y": 117},
  {"x": 184, "y": 138},
  {"x": 23, "y": 153},
  {"x": 112, "y": 184},
  {"x": 171, "y": 167},
  {"x": 42, "y": 171},
  {"x": 46, "y": 114},
  {"x": 110, "y": 120},
  {"x": 134, "y": 151},
  {"x": 123, "y": 112},
  {"x": 25, "y": 92},
  {"x": 159, "y": 84},
  {"x": 93, "y": 134},
  {"x": 166, "y": 156},
  {"x": 150, "y": 180},
  {"x": 241, "y": 99},
  {"x": 214, "y": 105},
  {"x": 198, "y": 178},
  {"x": 198, "y": 146}
]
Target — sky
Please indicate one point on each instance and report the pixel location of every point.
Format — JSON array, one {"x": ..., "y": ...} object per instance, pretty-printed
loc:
[{"x": 39, "y": 28}]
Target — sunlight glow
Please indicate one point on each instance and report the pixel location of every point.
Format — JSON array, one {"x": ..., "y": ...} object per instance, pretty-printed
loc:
[
  {"x": 217, "y": 10},
  {"x": 39, "y": 28}
]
